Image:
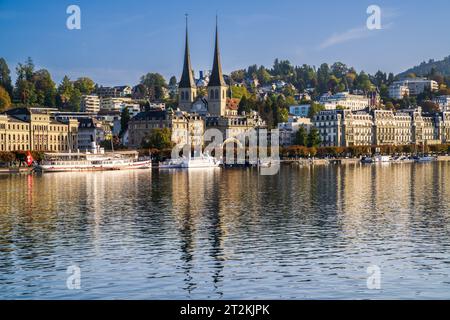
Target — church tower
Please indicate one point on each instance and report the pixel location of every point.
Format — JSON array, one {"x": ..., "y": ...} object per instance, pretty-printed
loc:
[
  {"x": 187, "y": 90},
  {"x": 217, "y": 88}
]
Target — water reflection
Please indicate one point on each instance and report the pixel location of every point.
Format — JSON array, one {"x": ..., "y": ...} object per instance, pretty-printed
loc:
[{"x": 309, "y": 232}]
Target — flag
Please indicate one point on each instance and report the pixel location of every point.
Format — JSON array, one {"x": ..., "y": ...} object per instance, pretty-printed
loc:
[{"x": 29, "y": 158}]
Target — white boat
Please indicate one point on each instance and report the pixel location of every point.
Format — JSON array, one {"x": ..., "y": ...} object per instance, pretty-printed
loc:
[
  {"x": 380, "y": 158},
  {"x": 69, "y": 162},
  {"x": 425, "y": 159},
  {"x": 202, "y": 161},
  {"x": 171, "y": 164}
]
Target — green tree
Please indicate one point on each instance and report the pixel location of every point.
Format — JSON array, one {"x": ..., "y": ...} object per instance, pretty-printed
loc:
[
  {"x": 5, "y": 100},
  {"x": 84, "y": 85},
  {"x": 156, "y": 82},
  {"x": 158, "y": 139},
  {"x": 5, "y": 77},
  {"x": 75, "y": 100},
  {"x": 24, "y": 90},
  {"x": 263, "y": 75},
  {"x": 239, "y": 92},
  {"x": 314, "y": 138},
  {"x": 44, "y": 88},
  {"x": 124, "y": 120},
  {"x": 301, "y": 137},
  {"x": 314, "y": 109},
  {"x": 172, "y": 81}
]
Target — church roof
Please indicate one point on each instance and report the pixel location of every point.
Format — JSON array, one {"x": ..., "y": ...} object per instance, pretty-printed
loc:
[
  {"x": 187, "y": 79},
  {"x": 216, "y": 78}
]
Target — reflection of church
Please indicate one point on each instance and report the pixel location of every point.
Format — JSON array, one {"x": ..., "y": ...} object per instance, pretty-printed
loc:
[{"x": 219, "y": 110}]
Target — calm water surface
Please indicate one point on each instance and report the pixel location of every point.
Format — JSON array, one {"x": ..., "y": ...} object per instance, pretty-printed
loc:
[{"x": 306, "y": 233}]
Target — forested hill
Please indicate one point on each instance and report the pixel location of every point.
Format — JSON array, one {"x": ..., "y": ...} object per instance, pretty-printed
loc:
[{"x": 441, "y": 67}]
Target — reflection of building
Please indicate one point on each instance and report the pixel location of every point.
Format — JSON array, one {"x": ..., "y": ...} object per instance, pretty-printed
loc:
[
  {"x": 35, "y": 129},
  {"x": 381, "y": 127}
]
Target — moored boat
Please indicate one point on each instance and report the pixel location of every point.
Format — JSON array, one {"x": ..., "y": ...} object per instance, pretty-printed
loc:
[
  {"x": 202, "y": 161},
  {"x": 71, "y": 162}
]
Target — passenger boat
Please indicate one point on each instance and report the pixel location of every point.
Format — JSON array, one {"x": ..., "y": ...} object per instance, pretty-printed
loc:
[
  {"x": 201, "y": 161},
  {"x": 70, "y": 162}
]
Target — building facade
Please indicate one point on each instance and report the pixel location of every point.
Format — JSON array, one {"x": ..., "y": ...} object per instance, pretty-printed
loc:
[
  {"x": 415, "y": 87},
  {"x": 23, "y": 129},
  {"x": 344, "y": 128},
  {"x": 90, "y": 104},
  {"x": 184, "y": 127}
]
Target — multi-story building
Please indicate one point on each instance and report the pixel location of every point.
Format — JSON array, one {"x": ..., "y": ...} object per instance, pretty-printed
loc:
[
  {"x": 443, "y": 102},
  {"x": 36, "y": 130},
  {"x": 329, "y": 123},
  {"x": 415, "y": 86},
  {"x": 90, "y": 103},
  {"x": 233, "y": 127},
  {"x": 90, "y": 134},
  {"x": 398, "y": 91},
  {"x": 381, "y": 127},
  {"x": 346, "y": 100},
  {"x": 357, "y": 128},
  {"x": 288, "y": 130},
  {"x": 114, "y": 92},
  {"x": 301, "y": 111},
  {"x": 184, "y": 127}
]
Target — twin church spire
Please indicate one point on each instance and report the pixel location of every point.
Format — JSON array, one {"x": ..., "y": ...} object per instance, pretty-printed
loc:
[{"x": 216, "y": 87}]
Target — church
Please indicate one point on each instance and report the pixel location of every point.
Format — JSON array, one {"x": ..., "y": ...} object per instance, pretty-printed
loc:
[{"x": 218, "y": 110}]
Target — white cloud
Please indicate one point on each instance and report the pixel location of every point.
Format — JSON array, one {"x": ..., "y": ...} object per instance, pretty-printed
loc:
[{"x": 349, "y": 35}]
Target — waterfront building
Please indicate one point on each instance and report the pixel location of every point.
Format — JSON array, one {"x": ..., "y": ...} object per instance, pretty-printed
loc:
[
  {"x": 288, "y": 130},
  {"x": 183, "y": 126},
  {"x": 381, "y": 127},
  {"x": 36, "y": 129},
  {"x": 233, "y": 127},
  {"x": 90, "y": 134},
  {"x": 90, "y": 103}
]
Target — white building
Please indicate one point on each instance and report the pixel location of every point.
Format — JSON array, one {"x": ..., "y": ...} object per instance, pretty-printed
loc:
[
  {"x": 443, "y": 102},
  {"x": 118, "y": 104},
  {"x": 346, "y": 100},
  {"x": 301, "y": 111},
  {"x": 90, "y": 104},
  {"x": 288, "y": 130},
  {"x": 398, "y": 91},
  {"x": 417, "y": 86}
]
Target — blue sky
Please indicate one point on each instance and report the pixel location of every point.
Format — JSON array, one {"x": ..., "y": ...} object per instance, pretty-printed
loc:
[{"x": 121, "y": 40}]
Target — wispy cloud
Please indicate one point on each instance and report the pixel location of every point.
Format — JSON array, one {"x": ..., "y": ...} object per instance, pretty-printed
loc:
[{"x": 350, "y": 35}]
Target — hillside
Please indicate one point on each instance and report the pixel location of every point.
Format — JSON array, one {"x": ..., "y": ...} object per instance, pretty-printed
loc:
[{"x": 441, "y": 66}]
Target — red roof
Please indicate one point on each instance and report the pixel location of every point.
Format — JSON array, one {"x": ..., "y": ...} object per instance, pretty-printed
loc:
[{"x": 233, "y": 103}]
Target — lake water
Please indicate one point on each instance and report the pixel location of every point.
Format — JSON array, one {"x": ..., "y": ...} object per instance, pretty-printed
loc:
[{"x": 306, "y": 233}]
